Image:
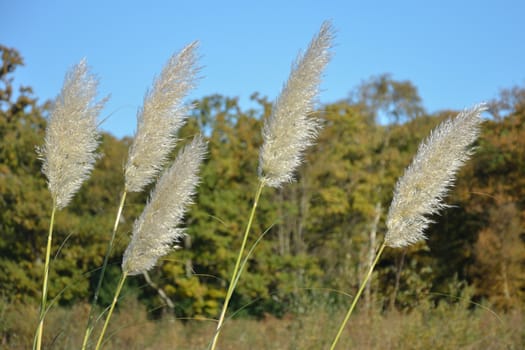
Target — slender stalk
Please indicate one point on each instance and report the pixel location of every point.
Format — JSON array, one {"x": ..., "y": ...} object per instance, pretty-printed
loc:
[
  {"x": 90, "y": 325},
  {"x": 115, "y": 299},
  {"x": 234, "y": 278},
  {"x": 356, "y": 298},
  {"x": 40, "y": 329}
]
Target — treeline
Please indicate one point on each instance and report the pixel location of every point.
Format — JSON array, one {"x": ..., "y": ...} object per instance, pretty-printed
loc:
[{"x": 319, "y": 232}]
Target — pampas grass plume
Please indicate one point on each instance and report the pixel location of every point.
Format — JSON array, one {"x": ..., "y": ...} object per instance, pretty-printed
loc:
[
  {"x": 161, "y": 116},
  {"x": 419, "y": 192},
  {"x": 72, "y": 137},
  {"x": 291, "y": 128},
  {"x": 288, "y": 131},
  {"x": 155, "y": 231}
]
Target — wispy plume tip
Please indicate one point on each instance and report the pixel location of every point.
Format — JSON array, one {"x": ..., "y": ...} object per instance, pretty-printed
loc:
[
  {"x": 292, "y": 127},
  {"x": 156, "y": 230},
  {"x": 72, "y": 137},
  {"x": 420, "y": 191},
  {"x": 160, "y": 118}
]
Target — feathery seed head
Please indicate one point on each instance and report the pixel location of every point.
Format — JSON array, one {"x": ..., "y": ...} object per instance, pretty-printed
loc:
[
  {"x": 68, "y": 153},
  {"x": 292, "y": 128},
  {"x": 161, "y": 116},
  {"x": 156, "y": 229},
  {"x": 420, "y": 191}
]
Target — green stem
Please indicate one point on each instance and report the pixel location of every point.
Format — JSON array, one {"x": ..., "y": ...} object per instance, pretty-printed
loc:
[
  {"x": 115, "y": 299},
  {"x": 90, "y": 325},
  {"x": 234, "y": 278},
  {"x": 356, "y": 298},
  {"x": 38, "y": 344}
]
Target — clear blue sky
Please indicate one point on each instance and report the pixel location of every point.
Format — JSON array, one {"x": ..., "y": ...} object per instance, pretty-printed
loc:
[{"x": 457, "y": 53}]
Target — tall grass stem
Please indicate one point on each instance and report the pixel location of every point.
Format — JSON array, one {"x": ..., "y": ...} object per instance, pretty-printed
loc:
[
  {"x": 236, "y": 269},
  {"x": 89, "y": 327},
  {"x": 357, "y": 296},
  {"x": 113, "y": 304},
  {"x": 38, "y": 344}
]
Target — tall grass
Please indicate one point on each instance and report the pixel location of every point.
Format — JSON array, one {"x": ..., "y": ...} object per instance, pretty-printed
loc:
[
  {"x": 445, "y": 326},
  {"x": 157, "y": 229},
  {"x": 69, "y": 155},
  {"x": 419, "y": 192},
  {"x": 287, "y": 133},
  {"x": 158, "y": 121}
]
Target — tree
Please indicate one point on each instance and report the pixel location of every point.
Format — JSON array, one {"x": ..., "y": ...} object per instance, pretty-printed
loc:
[{"x": 24, "y": 201}]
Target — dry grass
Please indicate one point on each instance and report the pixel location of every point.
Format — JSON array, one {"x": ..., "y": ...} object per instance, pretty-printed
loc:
[{"x": 447, "y": 326}]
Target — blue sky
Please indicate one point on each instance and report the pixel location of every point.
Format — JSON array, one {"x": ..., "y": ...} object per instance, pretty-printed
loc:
[{"x": 457, "y": 53}]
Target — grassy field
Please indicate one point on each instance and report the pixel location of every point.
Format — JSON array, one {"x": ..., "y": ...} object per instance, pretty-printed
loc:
[{"x": 447, "y": 326}]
